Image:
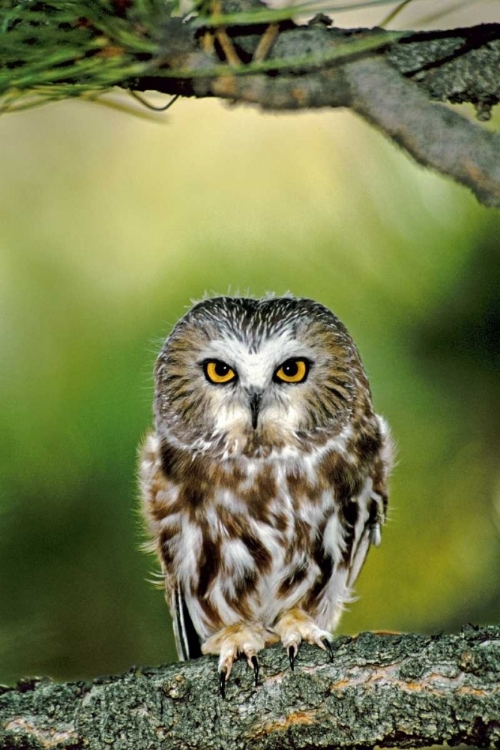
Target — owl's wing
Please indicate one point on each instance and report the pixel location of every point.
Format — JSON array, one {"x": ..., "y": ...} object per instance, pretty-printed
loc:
[
  {"x": 342, "y": 549},
  {"x": 186, "y": 638},
  {"x": 154, "y": 491},
  {"x": 370, "y": 534},
  {"x": 355, "y": 505},
  {"x": 376, "y": 505}
]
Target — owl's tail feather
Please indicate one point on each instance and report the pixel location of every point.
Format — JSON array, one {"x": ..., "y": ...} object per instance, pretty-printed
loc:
[{"x": 186, "y": 638}]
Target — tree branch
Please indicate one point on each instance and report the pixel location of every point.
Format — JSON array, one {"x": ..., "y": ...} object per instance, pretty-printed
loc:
[
  {"x": 385, "y": 690},
  {"x": 85, "y": 48},
  {"x": 434, "y": 135}
]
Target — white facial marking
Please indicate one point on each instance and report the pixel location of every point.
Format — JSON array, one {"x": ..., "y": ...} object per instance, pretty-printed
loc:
[{"x": 255, "y": 372}]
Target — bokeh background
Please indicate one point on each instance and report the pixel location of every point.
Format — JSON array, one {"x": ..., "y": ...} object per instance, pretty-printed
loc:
[{"x": 109, "y": 225}]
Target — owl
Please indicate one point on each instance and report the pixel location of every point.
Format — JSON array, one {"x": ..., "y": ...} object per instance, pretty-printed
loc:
[{"x": 264, "y": 480}]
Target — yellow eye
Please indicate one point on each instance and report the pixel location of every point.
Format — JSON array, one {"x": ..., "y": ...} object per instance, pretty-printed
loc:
[
  {"x": 292, "y": 371},
  {"x": 218, "y": 372}
]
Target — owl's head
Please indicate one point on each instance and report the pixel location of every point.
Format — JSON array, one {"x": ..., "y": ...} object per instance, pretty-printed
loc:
[{"x": 240, "y": 376}]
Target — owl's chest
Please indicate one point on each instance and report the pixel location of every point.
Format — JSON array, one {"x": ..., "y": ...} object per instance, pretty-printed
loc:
[
  {"x": 258, "y": 542},
  {"x": 270, "y": 499},
  {"x": 262, "y": 523}
]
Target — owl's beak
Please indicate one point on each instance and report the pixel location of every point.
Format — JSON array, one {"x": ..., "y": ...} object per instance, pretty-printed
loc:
[{"x": 255, "y": 400}]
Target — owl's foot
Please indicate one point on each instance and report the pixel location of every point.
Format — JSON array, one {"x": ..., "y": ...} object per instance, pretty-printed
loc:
[
  {"x": 238, "y": 640},
  {"x": 294, "y": 627}
]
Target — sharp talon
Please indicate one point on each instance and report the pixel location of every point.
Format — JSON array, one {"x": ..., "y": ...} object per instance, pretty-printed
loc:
[
  {"x": 291, "y": 657},
  {"x": 222, "y": 683},
  {"x": 326, "y": 643},
  {"x": 255, "y": 663}
]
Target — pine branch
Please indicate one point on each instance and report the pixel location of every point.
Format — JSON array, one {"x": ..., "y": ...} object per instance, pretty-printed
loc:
[
  {"x": 61, "y": 49},
  {"x": 385, "y": 690}
]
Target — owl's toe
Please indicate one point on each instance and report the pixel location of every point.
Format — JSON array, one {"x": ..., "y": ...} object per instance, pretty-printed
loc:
[
  {"x": 234, "y": 641},
  {"x": 255, "y": 664},
  {"x": 226, "y": 669},
  {"x": 327, "y": 643},
  {"x": 294, "y": 627},
  {"x": 227, "y": 656},
  {"x": 222, "y": 683}
]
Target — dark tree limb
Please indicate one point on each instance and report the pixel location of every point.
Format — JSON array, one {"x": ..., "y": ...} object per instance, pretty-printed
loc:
[
  {"x": 458, "y": 65},
  {"x": 391, "y": 80},
  {"x": 393, "y": 89},
  {"x": 380, "y": 689}
]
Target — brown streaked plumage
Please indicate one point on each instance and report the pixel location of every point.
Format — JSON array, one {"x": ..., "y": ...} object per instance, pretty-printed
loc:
[{"x": 264, "y": 481}]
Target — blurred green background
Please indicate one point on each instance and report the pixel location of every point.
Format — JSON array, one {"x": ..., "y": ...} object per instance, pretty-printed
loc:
[{"x": 109, "y": 225}]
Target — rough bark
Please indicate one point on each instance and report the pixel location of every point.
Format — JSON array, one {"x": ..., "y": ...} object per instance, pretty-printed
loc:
[
  {"x": 458, "y": 65},
  {"x": 381, "y": 690}
]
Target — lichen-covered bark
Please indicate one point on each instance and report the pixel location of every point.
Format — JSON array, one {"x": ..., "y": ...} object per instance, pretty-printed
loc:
[
  {"x": 381, "y": 689},
  {"x": 456, "y": 65}
]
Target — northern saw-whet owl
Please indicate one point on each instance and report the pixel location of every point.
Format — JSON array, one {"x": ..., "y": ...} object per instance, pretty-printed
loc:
[{"x": 264, "y": 481}]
